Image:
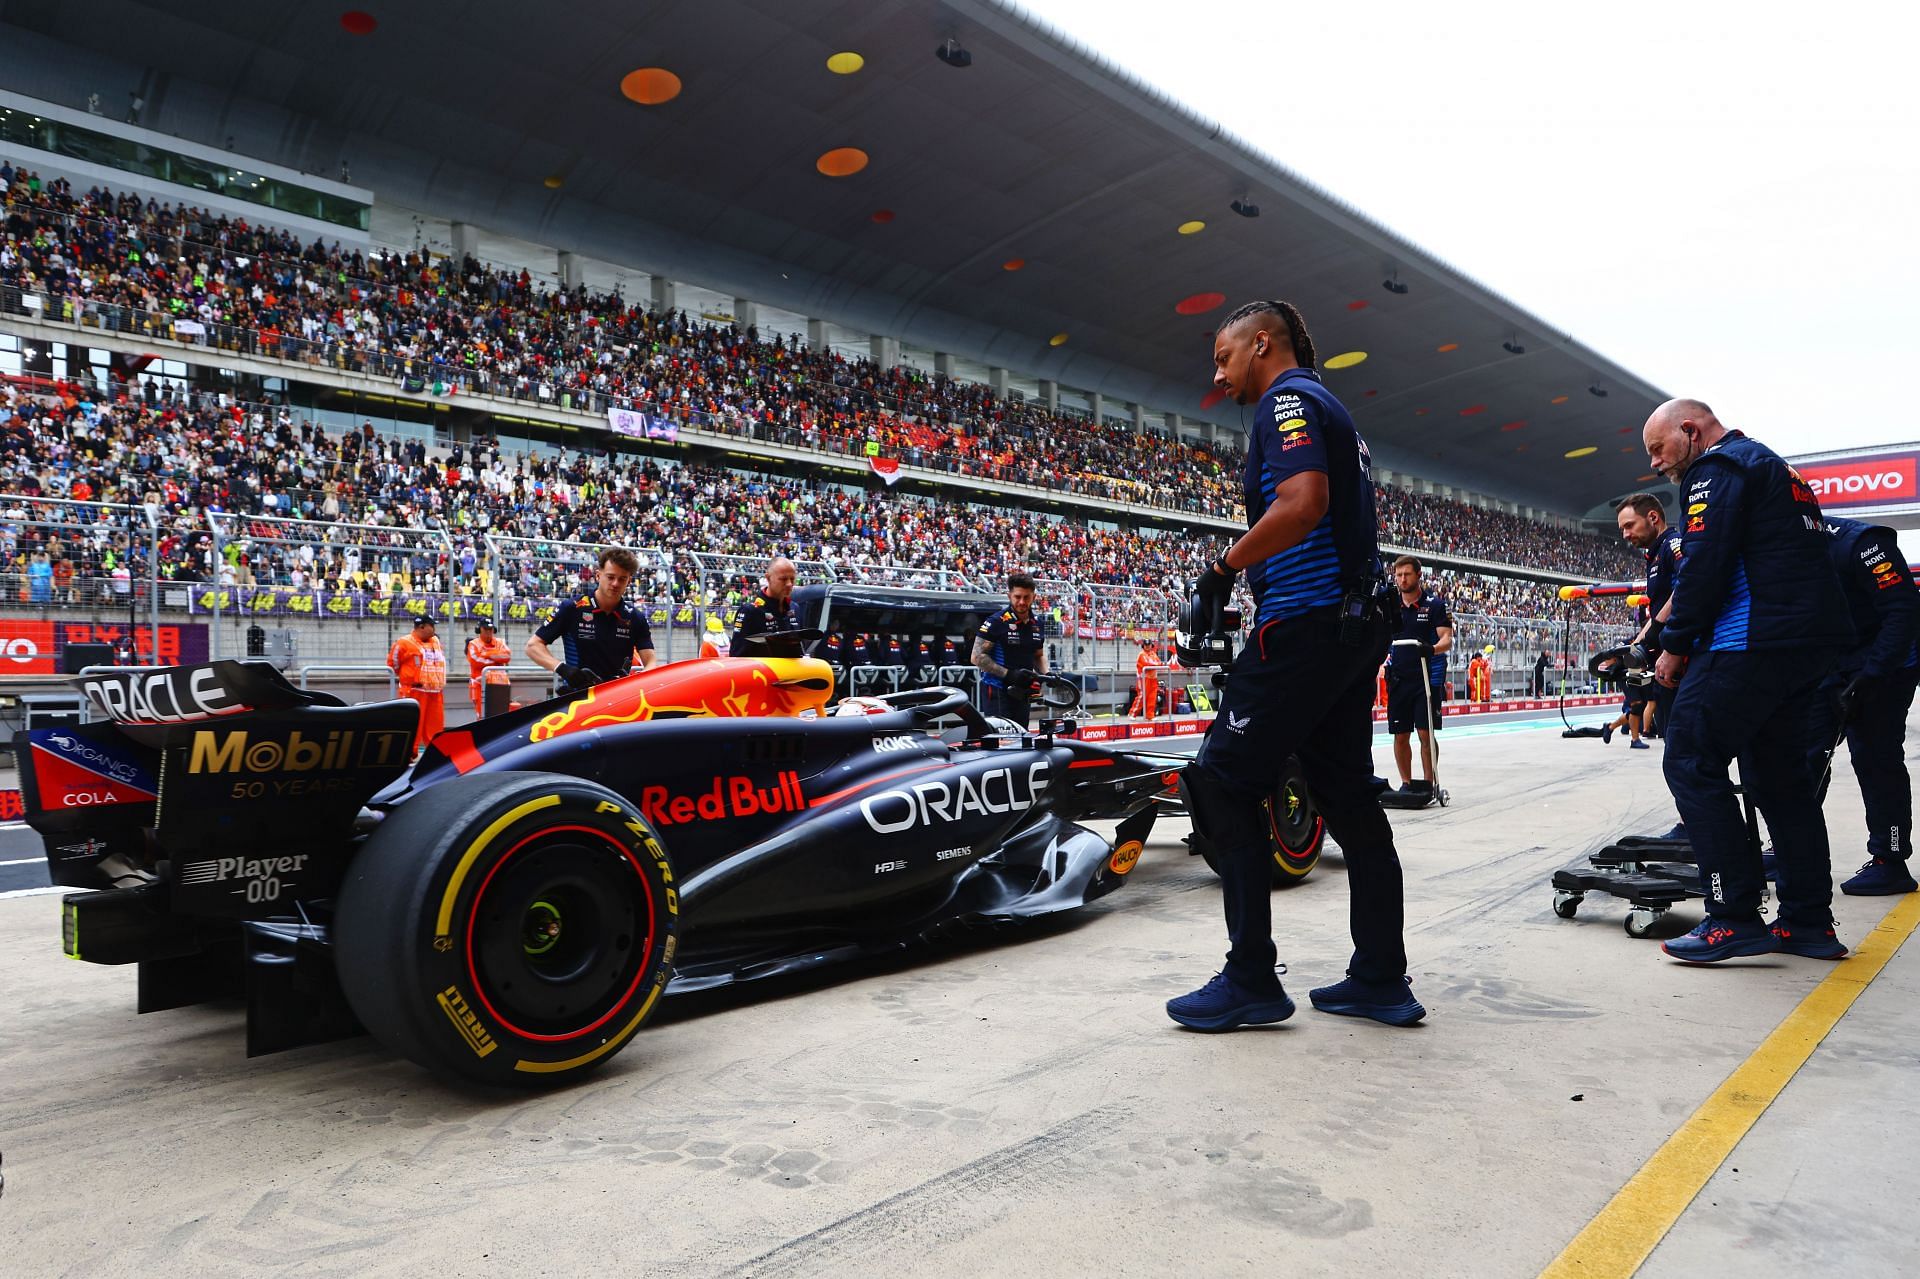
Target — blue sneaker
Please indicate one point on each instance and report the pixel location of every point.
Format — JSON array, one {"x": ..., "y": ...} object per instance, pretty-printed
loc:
[
  {"x": 1391, "y": 1003},
  {"x": 1718, "y": 939},
  {"x": 1808, "y": 943},
  {"x": 1880, "y": 878},
  {"x": 1606, "y": 735},
  {"x": 1640, "y": 746},
  {"x": 1223, "y": 1003}
]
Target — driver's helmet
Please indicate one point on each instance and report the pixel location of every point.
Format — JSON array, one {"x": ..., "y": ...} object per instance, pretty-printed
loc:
[{"x": 862, "y": 706}]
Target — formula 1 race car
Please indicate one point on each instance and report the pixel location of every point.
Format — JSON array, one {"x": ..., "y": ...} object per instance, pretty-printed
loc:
[{"x": 509, "y": 908}]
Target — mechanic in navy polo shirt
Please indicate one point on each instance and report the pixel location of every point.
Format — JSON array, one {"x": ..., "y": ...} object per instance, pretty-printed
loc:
[
  {"x": 771, "y": 612},
  {"x": 599, "y": 631},
  {"x": 1758, "y": 619},
  {"x": 1643, "y": 522},
  {"x": 1009, "y": 652},
  {"x": 1422, "y": 617},
  {"x": 1881, "y": 670},
  {"x": 1303, "y": 683}
]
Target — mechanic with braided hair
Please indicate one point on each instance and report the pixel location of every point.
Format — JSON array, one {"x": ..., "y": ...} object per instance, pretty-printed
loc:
[{"x": 1302, "y": 685}]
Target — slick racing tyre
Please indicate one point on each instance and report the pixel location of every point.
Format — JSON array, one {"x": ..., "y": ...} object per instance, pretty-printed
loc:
[
  {"x": 1298, "y": 830},
  {"x": 507, "y": 928}
]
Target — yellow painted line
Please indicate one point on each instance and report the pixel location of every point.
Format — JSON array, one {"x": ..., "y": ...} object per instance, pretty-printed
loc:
[{"x": 1626, "y": 1231}]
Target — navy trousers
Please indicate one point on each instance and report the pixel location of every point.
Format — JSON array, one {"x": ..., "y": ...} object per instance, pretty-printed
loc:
[
  {"x": 1877, "y": 741},
  {"x": 1758, "y": 707},
  {"x": 1296, "y": 690}
]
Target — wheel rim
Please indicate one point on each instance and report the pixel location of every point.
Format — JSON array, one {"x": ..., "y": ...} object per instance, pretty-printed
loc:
[
  {"x": 1296, "y": 827},
  {"x": 559, "y": 933}
]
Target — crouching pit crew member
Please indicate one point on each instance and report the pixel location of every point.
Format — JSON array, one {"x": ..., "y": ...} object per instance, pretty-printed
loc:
[
  {"x": 1881, "y": 671},
  {"x": 599, "y": 631},
  {"x": 1756, "y": 622},
  {"x": 770, "y": 612},
  {"x": 1009, "y": 653},
  {"x": 1413, "y": 702},
  {"x": 1302, "y": 685}
]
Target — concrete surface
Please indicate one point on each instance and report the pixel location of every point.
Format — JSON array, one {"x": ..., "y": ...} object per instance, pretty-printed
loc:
[{"x": 1021, "y": 1107}]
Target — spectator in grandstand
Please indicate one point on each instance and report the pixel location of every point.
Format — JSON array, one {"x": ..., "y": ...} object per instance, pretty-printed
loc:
[
  {"x": 420, "y": 665},
  {"x": 1010, "y": 653},
  {"x": 771, "y": 610},
  {"x": 600, "y": 632}
]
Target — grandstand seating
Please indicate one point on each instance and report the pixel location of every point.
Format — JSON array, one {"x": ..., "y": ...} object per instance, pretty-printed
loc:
[{"x": 140, "y": 265}]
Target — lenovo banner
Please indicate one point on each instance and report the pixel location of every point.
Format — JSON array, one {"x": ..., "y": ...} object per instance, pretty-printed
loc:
[{"x": 1886, "y": 480}]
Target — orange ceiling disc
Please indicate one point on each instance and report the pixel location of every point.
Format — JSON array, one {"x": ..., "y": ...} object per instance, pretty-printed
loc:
[
  {"x": 842, "y": 162},
  {"x": 650, "y": 86}
]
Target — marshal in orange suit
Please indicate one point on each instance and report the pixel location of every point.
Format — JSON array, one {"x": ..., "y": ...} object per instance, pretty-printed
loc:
[
  {"x": 484, "y": 650},
  {"x": 421, "y": 666}
]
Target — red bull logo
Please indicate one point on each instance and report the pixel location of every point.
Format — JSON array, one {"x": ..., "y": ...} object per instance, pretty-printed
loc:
[
  {"x": 728, "y": 797},
  {"x": 716, "y": 688}
]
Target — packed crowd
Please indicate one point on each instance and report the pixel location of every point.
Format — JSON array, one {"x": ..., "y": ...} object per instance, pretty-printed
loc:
[
  {"x": 123, "y": 262},
  {"x": 402, "y": 518}
]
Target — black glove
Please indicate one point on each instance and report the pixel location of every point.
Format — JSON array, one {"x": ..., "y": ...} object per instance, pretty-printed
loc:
[
  {"x": 1425, "y": 649},
  {"x": 576, "y": 676},
  {"x": 1216, "y": 584},
  {"x": 1021, "y": 680}
]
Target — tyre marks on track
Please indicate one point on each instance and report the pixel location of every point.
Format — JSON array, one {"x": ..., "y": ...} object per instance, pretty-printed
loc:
[{"x": 945, "y": 1208}]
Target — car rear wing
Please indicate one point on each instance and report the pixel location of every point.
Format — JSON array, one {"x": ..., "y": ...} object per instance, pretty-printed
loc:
[{"x": 224, "y": 770}]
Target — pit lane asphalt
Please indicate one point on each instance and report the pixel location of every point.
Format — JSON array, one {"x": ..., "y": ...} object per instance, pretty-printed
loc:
[{"x": 1020, "y": 1105}]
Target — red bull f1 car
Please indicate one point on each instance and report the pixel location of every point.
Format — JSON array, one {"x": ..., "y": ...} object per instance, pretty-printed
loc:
[{"x": 509, "y": 907}]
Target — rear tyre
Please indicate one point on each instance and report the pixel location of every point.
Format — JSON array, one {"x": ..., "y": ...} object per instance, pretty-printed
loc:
[
  {"x": 1297, "y": 830},
  {"x": 507, "y": 928}
]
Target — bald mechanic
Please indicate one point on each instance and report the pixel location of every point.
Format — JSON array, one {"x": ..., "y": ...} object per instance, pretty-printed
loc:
[
  {"x": 1302, "y": 684},
  {"x": 1754, "y": 628},
  {"x": 771, "y": 612}
]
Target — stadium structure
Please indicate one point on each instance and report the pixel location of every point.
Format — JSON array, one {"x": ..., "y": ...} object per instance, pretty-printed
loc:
[{"x": 954, "y": 191}]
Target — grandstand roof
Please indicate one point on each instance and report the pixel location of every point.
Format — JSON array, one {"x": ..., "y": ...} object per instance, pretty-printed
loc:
[{"x": 1040, "y": 153}]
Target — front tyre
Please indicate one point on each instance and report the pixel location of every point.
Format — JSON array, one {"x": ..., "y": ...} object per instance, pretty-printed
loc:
[{"x": 508, "y": 928}]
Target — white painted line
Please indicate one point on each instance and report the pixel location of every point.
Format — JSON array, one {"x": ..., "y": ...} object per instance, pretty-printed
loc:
[
  {"x": 34, "y": 892},
  {"x": 23, "y": 861}
]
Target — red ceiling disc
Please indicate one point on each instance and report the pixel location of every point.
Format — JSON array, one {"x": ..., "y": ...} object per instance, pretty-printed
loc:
[
  {"x": 1472, "y": 409},
  {"x": 1199, "y": 303},
  {"x": 1212, "y": 398},
  {"x": 883, "y": 215},
  {"x": 357, "y": 22}
]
